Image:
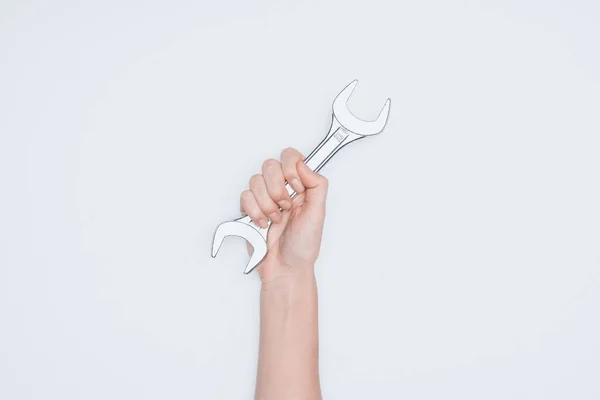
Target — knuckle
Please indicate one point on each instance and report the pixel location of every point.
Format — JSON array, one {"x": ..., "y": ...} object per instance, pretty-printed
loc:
[
  {"x": 255, "y": 214},
  {"x": 246, "y": 196},
  {"x": 277, "y": 193},
  {"x": 271, "y": 208},
  {"x": 270, "y": 163},
  {"x": 291, "y": 172},
  {"x": 290, "y": 151},
  {"x": 255, "y": 180}
]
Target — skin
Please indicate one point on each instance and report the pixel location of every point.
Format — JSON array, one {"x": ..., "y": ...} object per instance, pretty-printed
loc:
[{"x": 288, "y": 365}]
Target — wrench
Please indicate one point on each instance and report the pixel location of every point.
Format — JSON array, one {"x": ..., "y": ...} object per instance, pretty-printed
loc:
[{"x": 345, "y": 128}]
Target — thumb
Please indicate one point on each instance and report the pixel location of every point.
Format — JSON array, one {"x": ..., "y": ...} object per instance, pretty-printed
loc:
[{"x": 316, "y": 187}]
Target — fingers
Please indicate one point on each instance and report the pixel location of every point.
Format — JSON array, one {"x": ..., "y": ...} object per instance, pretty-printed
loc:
[
  {"x": 316, "y": 188},
  {"x": 289, "y": 158},
  {"x": 275, "y": 183},
  {"x": 250, "y": 207},
  {"x": 258, "y": 187},
  {"x": 267, "y": 192}
]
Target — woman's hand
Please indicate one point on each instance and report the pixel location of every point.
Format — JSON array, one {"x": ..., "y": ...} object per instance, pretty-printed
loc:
[{"x": 294, "y": 238}]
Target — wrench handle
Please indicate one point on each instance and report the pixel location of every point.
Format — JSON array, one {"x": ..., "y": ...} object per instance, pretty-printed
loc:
[{"x": 323, "y": 153}]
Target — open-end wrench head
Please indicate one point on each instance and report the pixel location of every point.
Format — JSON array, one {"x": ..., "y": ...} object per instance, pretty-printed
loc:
[
  {"x": 343, "y": 119},
  {"x": 355, "y": 125},
  {"x": 237, "y": 228}
]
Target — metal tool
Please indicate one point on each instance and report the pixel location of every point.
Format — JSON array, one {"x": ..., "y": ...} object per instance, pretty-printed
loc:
[{"x": 345, "y": 128}]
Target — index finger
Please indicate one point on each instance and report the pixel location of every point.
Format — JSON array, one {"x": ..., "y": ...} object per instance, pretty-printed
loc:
[{"x": 289, "y": 159}]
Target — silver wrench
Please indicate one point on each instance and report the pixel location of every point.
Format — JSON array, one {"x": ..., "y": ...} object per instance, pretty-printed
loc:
[{"x": 345, "y": 128}]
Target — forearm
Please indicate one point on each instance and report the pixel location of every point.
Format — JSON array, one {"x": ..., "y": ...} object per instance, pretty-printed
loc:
[{"x": 288, "y": 350}]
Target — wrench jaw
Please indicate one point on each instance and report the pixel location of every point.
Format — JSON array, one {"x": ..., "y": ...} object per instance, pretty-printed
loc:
[
  {"x": 350, "y": 123},
  {"x": 259, "y": 253},
  {"x": 245, "y": 231},
  {"x": 220, "y": 235},
  {"x": 345, "y": 128}
]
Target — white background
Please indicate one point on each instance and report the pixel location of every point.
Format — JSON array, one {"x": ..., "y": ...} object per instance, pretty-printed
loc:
[{"x": 461, "y": 257}]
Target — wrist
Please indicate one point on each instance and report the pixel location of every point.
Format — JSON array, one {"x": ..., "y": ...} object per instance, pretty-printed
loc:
[
  {"x": 291, "y": 292},
  {"x": 275, "y": 273}
]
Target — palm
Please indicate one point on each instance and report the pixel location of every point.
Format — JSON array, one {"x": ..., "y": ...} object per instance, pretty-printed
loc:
[
  {"x": 297, "y": 238},
  {"x": 295, "y": 232}
]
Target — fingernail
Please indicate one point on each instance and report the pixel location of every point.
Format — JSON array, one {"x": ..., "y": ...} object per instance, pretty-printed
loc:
[
  {"x": 275, "y": 217},
  {"x": 263, "y": 223},
  {"x": 297, "y": 185},
  {"x": 285, "y": 204}
]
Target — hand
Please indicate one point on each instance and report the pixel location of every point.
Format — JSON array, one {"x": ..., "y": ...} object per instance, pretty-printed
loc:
[{"x": 294, "y": 238}]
